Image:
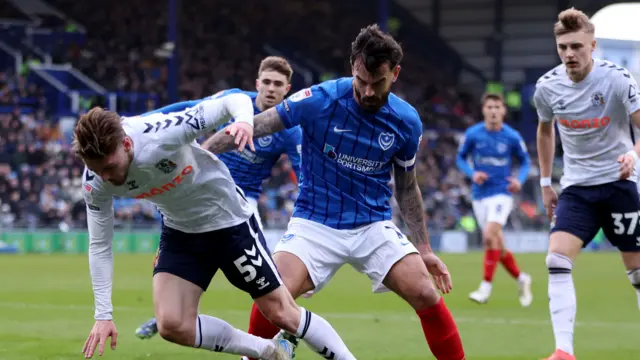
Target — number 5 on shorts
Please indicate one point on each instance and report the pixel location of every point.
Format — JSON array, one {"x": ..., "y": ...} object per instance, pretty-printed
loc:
[{"x": 248, "y": 270}]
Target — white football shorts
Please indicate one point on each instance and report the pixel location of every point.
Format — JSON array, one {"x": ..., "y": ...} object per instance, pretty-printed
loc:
[
  {"x": 495, "y": 208},
  {"x": 372, "y": 249}
]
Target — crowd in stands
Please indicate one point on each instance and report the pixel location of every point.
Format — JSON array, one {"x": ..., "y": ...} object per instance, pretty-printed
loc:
[{"x": 40, "y": 179}]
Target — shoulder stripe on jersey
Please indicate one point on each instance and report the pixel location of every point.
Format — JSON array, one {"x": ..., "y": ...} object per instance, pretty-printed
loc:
[
  {"x": 190, "y": 120},
  {"x": 88, "y": 175}
]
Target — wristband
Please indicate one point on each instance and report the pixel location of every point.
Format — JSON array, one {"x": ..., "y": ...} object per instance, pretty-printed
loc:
[
  {"x": 545, "y": 181},
  {"x": 633, "y": 154}
]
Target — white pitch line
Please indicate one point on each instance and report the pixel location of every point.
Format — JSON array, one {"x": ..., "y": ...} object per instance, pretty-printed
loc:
[{"x": 340, "y": 316}]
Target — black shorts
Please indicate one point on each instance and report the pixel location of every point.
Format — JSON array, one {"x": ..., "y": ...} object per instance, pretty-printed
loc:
[
  {"x": 239, "y": 251},
  {"x": 614, "y": 207}
]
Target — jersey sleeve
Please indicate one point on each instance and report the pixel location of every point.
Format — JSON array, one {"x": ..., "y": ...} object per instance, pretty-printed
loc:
[
  {"x": 405, "y": 158},
  {"x": 519, "y": 149},
  {"x": 627, "y": 90},
  {"x": 545, "y": 113},
  {"x": 295, "y": 109},
  {"x": 175, "y": 107},
  {"x": 464, "y": 149},
  {"x": 294, "y": 149},
  {"x": 183, "y": 127},
  {"x": 100, "y": 226}
]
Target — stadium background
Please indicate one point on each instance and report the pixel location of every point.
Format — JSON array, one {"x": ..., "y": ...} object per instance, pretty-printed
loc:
[{"x": 58, "y": 58}]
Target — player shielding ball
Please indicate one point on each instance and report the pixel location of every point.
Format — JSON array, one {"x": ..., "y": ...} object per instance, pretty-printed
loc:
[
  {"x": 207, "y": 225},
  {"x": 250, "y": 168},
  {"x": 591, "y": 101},
  {"x": 356, "y": 134},
  {"x": 491, "y": 145}
]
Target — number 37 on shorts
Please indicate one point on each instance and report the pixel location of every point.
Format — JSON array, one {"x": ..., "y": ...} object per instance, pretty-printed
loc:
[
  {"x": 614, "y": 207},
  {"x": 626, "y": 224}
]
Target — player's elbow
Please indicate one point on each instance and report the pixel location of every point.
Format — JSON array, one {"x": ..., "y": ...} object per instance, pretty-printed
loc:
[{"x": 545, "y": 128}]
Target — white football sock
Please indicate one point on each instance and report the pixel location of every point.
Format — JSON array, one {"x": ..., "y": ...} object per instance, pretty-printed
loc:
[
  {"x": 485, "y": 287},
  {"x": 217, "y": 335},
  {"x": 562, "y": 300},
  {"x": 634, "y": 277},
  {"x": 321, "y": 337}
]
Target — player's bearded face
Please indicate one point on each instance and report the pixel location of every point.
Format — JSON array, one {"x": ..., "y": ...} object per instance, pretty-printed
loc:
[
  {"x": 114, "y": 168},
  {"x": 371, "y": 91},
  {"x": 272, "y": 87},
  {"x": 575, "y": 50}
]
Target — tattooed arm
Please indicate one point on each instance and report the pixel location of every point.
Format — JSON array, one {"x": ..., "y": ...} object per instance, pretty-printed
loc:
[
  {"x": 411, "y": 207},
  {"x": 265, "y": 123}
]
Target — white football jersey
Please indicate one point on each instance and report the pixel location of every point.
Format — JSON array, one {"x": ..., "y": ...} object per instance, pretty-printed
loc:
[
  {"x": 593, "y": 120},
  {"x": 191, "y": 187}
]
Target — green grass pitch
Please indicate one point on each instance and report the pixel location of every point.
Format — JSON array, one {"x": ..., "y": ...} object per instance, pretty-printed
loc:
[{"x": 46, "y": 311}]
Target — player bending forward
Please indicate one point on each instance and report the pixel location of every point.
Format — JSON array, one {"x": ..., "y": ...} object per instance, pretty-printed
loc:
[
  {"x": 207, "y": 225},
  {"x": 591, "y": 100},
  {"x": 355, "y": 135},
  {"x": 491, "y": 145},
  {"x": 248, "y": 168}
]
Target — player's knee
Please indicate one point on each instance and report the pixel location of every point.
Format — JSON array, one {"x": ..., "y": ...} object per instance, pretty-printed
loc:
[
  {"x": 294, "y": 273},
  {"x": 423, "y": 296},
  {"x": 175, "y": 328},
  {"x": 489, "y": 240},
  {"x": 558, "y": 264}
]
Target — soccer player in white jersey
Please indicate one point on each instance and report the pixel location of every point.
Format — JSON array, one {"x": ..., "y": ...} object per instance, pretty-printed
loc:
[
  {"x": 592, "y": 102},
  {"x": 207, "y": 225}
]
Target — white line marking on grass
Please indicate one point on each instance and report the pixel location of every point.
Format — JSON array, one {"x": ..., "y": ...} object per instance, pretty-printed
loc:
[{"x": 339, "y": 316}]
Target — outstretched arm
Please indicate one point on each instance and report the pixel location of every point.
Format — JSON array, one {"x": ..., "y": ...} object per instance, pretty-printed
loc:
[
  {"x": 411, "y": 207},
  {"x": 265, "y": 123}
]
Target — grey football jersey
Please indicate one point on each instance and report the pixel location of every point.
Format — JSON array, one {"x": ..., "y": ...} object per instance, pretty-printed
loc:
[{"x": 593, "y": 120}]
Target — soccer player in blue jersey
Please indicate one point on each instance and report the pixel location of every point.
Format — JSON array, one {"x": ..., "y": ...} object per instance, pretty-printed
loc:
[
  {"x": 250, "y": 168},
  {"x": 491, "y": 145},
  {"x": 356, "y": 135}
]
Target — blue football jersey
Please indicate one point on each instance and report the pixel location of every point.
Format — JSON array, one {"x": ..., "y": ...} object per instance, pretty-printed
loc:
[
  {"x": 492, "y": 152},
  {"x": 347, "y": 153},
  {"x": 249, "y": 169}
]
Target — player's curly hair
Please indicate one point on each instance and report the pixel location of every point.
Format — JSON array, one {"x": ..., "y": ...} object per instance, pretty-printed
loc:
[
  {"x": 97, "y": 134},
  {"x": 375, "y": 47},
  {"x": 573, "y": 20},
  {"x": 277, "y": 64}
]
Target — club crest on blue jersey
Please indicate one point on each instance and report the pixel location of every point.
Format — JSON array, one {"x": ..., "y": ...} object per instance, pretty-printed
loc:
[
  {"x": 265, "y": 140},
  {"x": 385, "y": 140},
  {"x": 502, "y": 148}
]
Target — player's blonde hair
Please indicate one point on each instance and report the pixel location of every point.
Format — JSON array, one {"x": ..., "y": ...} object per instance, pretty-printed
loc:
[
  {"x": 277, "y": 64},
  {"x": 573, "y": 20},
  {"x": 97, "y": 134}
]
